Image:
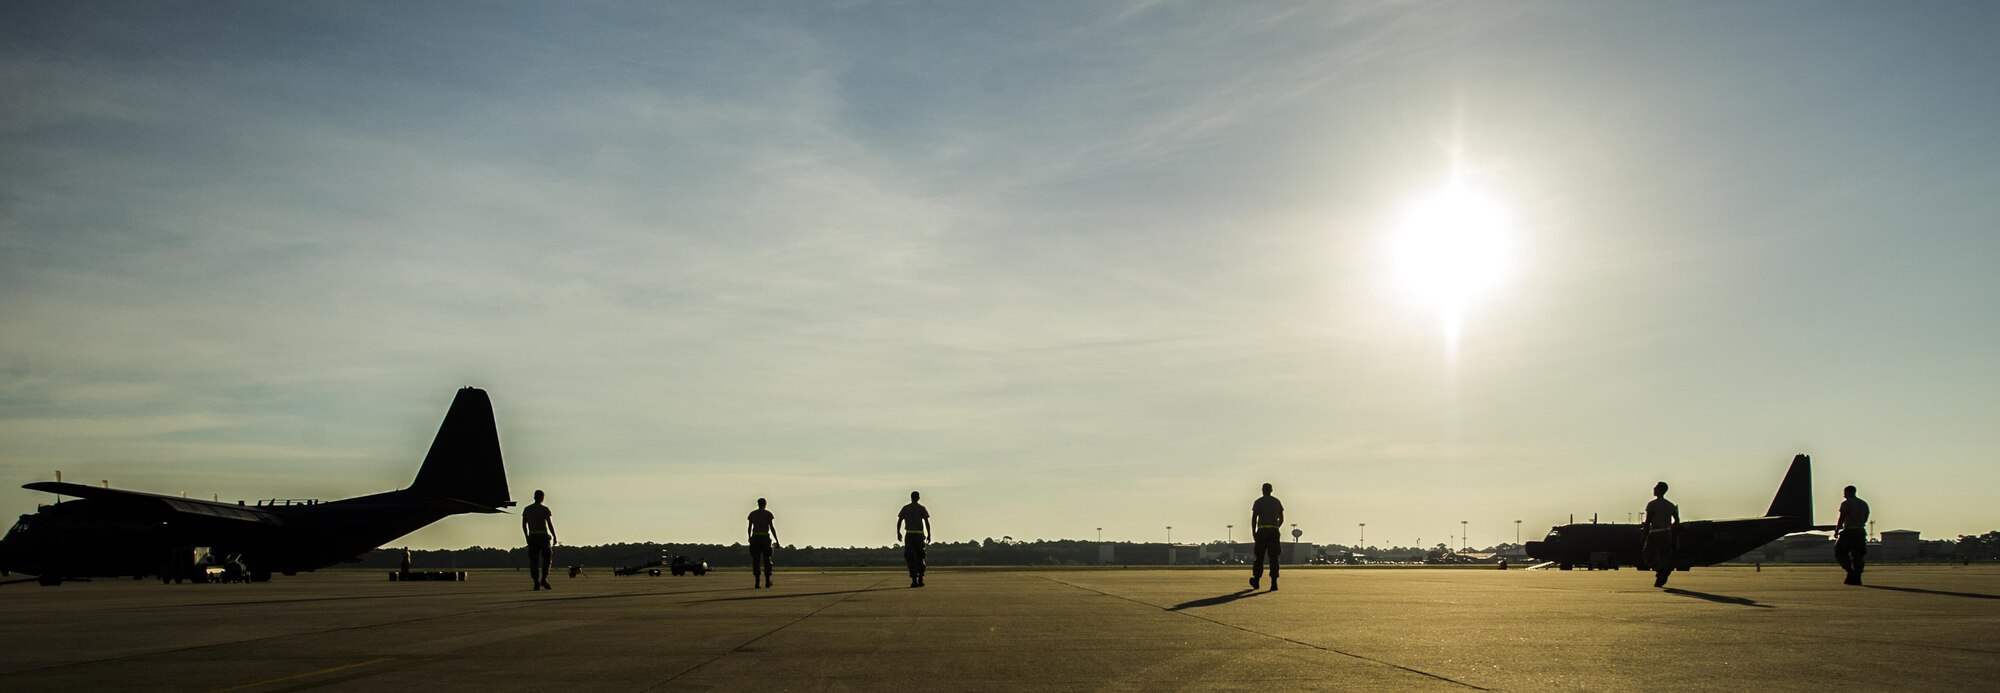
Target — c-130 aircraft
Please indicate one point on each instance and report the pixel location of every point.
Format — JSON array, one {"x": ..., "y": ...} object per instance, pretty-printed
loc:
[
  {"x": 1698, "y": 542},
  {"x": 114, "y": 533}
]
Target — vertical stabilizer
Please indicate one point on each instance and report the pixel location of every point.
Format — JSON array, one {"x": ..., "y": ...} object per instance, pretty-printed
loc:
[
  {"x": 464, "y": 462},
  {"x": 1794, "y": 497}
]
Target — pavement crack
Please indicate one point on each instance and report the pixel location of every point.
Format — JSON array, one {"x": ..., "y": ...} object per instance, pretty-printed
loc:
[
  {"x": 765, "y": 634},
  {"x": 1300, "y": 643}
]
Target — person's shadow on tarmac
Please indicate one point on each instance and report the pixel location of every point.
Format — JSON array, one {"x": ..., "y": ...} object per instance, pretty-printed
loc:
[
  {"x": 1969, "y": 595},
  {"x": 1717, "y": 598},
  {"x": 1213, "y": 601}
]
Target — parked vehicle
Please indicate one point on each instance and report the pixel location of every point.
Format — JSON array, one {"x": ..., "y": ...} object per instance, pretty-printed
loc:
[{"x": 682, "y": 565}]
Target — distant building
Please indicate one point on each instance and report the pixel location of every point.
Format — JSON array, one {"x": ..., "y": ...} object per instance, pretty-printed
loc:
[
  {"x": 1945, "y": 550},
  {"x": 1895, "y": 546},
  {"x": 1292, "y": 552},
  {"x": 1796, "y": 548},
  {"x": 1898, "y": 545}
]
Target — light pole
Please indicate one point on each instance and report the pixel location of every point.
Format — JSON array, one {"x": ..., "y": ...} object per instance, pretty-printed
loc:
[
  {"x": 1363, "y": 541},
  {"x": 1517, "y": 532},
  {"x": 1100, "y": 535},
  {"x": 1229, "y": 534},
  {"x": 1170, "y": 535},
  {"x": 1464, "y": 542}
]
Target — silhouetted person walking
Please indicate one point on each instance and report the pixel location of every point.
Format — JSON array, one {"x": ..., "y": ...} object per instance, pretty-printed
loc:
[
  {"x": 1851, "y": 547},
  {"x": 763, "y": 535},
  {"x": 1663, "y": 523},
  {"x": 539, "y": 526},
  {"x": 405, "y": 572},
  {"x": 1267, "y": 515},
  {"x": 913, "y": 528}
]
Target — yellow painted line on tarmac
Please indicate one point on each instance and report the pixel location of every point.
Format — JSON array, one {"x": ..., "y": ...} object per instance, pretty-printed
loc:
[{"x": 295, "y": 677}]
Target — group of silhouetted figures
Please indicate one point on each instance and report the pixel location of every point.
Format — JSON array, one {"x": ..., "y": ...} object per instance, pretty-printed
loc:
[
  {"x": 1267, "y": 515},
  {"x": 1662, "y": 528},
  {"x": 913, "y": 531}
]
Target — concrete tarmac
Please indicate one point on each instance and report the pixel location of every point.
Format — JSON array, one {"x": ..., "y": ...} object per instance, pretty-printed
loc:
[{"x": 1912, "y": 628}]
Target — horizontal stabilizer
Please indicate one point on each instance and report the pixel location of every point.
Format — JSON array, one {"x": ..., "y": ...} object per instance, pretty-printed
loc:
[{"x": 454, "y": 505}]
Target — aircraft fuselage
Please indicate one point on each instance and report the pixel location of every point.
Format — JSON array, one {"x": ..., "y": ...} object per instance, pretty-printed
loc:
[
  {"x": 87, "y": 538},
  {"x": 1698, "y": 543},
  {"x": 109, "y": 532}
]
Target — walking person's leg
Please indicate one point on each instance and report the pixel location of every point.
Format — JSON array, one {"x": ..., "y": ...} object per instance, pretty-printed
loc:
[
  {"x": 1256, "y": 559},
  {"x": 548, "y": 562},
  {"x": 538, "y": 550}
]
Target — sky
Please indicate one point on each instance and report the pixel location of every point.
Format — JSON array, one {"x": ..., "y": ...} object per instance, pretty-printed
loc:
[{"x": 1059, "y": 266}]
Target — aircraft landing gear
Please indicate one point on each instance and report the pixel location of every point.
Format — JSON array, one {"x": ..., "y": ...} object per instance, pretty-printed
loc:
[
  {"x": 49, "y": 580},
  {"x": 1564, "y": 566}
]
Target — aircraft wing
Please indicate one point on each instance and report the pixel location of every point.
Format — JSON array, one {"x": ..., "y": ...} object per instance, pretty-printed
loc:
[{"x": 165, "y": 508}]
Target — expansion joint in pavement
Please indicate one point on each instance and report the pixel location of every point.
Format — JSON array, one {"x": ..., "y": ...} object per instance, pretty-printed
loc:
[
  {"x": 1300, "y": 643},
  {"x": 761, "y": 636}
]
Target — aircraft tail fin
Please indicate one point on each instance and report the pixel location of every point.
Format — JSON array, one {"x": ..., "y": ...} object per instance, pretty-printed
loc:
[
  {"x": 464, "y": 462},
  {"x": 1794, "y": 497}
]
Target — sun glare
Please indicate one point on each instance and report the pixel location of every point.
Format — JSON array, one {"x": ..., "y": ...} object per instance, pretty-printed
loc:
[{"x": 1452, "y": 247}]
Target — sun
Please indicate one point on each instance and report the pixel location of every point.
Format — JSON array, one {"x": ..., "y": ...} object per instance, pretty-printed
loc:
[{"x": 1452, "y": 247}]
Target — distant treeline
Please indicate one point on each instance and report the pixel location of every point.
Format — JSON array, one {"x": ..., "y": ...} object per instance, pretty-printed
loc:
[
  {"x": 1001, "y": 552},
  {"x": 1983, "y": 547},
  {"x": 990, "y": 552}
]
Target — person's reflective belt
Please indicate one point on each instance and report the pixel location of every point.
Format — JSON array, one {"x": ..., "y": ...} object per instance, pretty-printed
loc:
[
  {"x": 1267, "y": 526},
  {"x": 760, "y": 533}
]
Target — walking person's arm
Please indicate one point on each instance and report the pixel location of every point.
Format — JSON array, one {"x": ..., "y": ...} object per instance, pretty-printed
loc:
[{"x": 927, "y": 530}]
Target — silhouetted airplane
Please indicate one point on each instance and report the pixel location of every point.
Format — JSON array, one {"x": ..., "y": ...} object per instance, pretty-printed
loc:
[
  {"x": 112, "y": 533},
  {"x": 1701, "y": 542}
]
